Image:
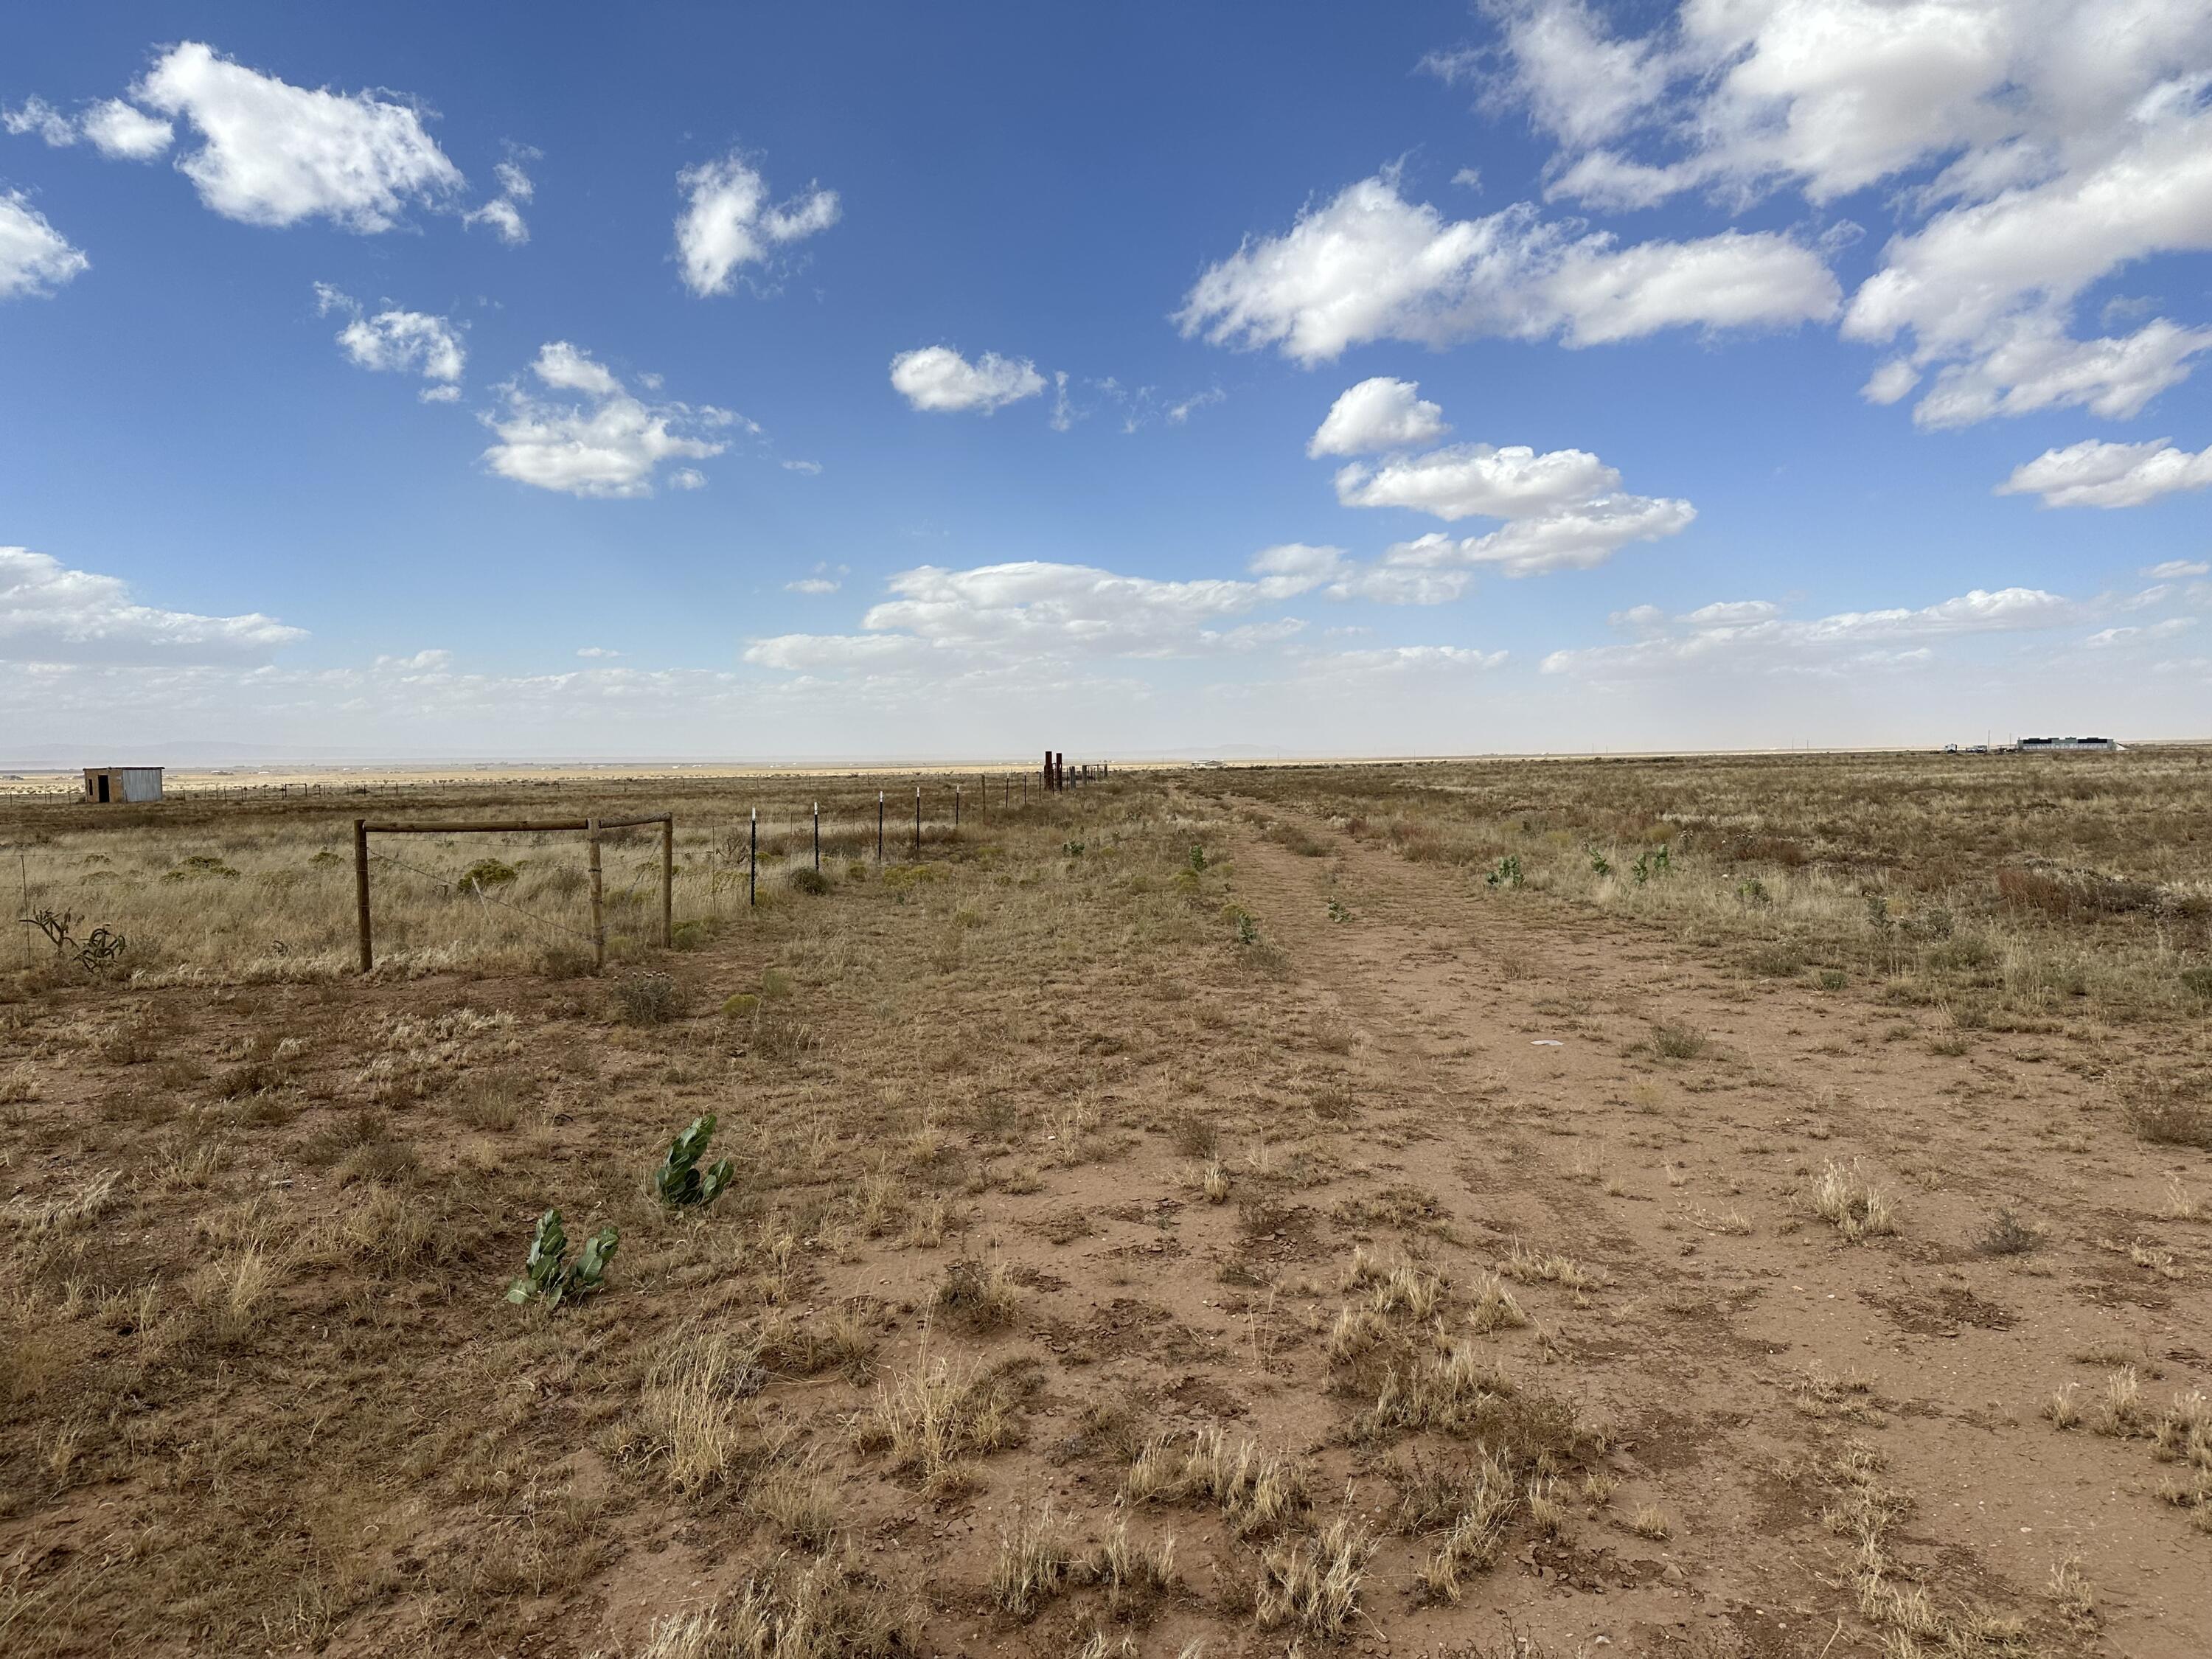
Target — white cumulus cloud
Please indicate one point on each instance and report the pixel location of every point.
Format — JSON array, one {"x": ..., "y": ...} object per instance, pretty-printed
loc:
[
  {"x": 130, "y": 134},
  {"x": 505, "y": 219},
  {"x": 51, "y": 614},
  {"x": 503, "y": 213},
  {"x": 605, "y": 442},
  {"x": 1754, "y": 635},
  {"x": 1037, "y": 613},
  {"x": 1370, "y": 265},
  {"x": 727, "y": 222},
  {"x": 37, "y": 117},
  {"x": 939, "y": 379},
  {"x": 1478, "y": 481},
  {"x": 1580, "y": 83},
  {"x": 1890, "y": 383},
  {"x": 398, "y": 342},
  {"x": 270, "y": 153},
  {"x": 35, "y": 257},
  {"x": 2150, "y": 633},
  {"x": 112, "y": 126},
  {"x": 2097, "y": 474},
  {"x": 1398, "y": 662},
  {"x": 1564, "y": 510},
  {"x": 1580, "y": 536},
  {"x": 1377, "y": 414},
  {"x": 2029, "y": 148},
  {"x": 2030, "y": 364}
]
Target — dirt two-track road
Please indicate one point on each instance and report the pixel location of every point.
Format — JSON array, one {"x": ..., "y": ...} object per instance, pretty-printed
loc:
[{"x": 1737, "y": 1345}]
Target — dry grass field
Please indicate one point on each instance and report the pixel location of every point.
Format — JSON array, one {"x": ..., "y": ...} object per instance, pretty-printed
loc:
[{"x": 1732, "y": 1208}]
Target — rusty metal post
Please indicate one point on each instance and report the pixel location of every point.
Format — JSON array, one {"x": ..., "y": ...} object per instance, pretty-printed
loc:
[
  {"x": 360, "y": 890},
  {"x": 599, "y": 898}
]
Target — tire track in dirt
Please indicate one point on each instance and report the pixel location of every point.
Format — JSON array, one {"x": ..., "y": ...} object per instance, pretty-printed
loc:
[{"x": 1720, "y": 1353}]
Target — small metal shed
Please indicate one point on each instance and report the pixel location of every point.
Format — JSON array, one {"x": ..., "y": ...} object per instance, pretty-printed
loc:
[{"x": 104, "y": 784}]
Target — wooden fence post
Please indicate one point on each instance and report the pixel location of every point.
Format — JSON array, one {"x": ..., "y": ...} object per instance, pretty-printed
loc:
[
  {"x": 818, "y": 837},
  {"x": 955, "y": 806},
  {"x": 598, "y": 899},
  {"x": 360, "y": 890},
  {"x": 879, "y": 826},
  {"x": 668, "y": 883}
]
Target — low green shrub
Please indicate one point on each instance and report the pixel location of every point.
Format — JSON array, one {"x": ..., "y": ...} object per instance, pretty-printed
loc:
[{"x": 484, "y": 876}]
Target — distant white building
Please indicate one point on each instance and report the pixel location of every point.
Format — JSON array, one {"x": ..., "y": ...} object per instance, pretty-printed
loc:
[{"x": 2064, "y": 745}]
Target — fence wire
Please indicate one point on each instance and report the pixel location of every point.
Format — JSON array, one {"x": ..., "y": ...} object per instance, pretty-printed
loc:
[{"x": 486, "y": 898}]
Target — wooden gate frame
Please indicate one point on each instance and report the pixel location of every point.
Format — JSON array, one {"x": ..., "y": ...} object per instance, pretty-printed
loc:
[{"x": 362, "y": 829}]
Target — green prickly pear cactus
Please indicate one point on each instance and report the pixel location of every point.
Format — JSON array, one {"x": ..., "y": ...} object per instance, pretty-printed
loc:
[
  {"x": 678, "y": 1182},
  {"x": 547, "y": 1274}
]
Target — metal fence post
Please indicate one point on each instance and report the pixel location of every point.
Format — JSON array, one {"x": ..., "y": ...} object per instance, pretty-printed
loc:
[
  {"x": 917, "y": 821},
  {"x": 818, "y": 837},
  {"x": 955, "y": 806},
  {"x": 879, "y": 826},
  {"x": 752, "y": 863}
]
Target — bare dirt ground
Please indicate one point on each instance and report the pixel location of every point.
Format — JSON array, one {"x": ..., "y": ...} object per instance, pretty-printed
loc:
[{"x": 1494, "y": 1225}]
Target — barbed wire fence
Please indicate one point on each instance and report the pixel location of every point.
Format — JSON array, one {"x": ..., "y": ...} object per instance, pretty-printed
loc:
[{"x": 723, "y": 853}]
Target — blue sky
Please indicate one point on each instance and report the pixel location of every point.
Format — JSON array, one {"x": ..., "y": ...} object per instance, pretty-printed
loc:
[{"x": 877, "y": 381}]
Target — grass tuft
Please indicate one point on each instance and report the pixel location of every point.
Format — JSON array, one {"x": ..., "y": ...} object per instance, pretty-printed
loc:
[
  {"x": 1312, "y": 1585},
  {"x": 1843, "y": 1198}
]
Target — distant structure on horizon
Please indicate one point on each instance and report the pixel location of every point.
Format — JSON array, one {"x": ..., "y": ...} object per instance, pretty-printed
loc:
[
  {"x": 2044, "y": 746},
  {"x": 104, "y": 785}
]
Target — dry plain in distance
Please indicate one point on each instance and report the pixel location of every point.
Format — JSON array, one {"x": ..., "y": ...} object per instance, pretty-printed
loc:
[{"x": 1728, "y": 1207}]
